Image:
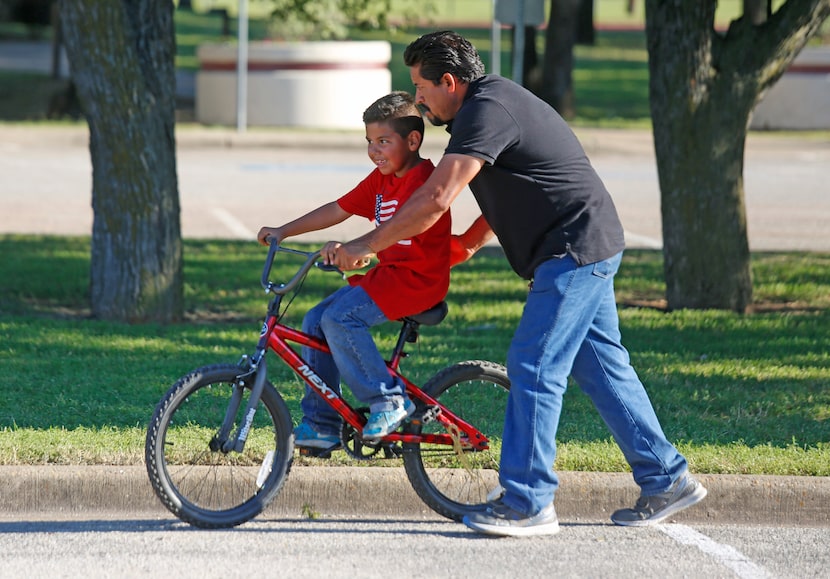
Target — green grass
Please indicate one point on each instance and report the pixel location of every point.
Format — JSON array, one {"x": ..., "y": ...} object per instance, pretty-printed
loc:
[{"x": 737, "y": 393}]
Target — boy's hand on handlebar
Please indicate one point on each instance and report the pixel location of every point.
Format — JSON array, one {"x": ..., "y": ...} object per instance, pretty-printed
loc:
[
  {"x": 347, "y": 257},
  {"x": 266, "y": 234}
]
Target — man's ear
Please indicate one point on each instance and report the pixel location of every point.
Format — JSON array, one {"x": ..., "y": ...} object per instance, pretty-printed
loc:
[{"x": 449, "y": 81}]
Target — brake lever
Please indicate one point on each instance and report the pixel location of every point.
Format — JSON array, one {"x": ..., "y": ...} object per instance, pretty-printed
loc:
[{"x": 329, "y": 267}]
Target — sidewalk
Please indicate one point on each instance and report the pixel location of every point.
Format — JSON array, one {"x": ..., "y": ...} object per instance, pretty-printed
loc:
[
  {"x": 223, "y": 173},
  {"x": 95, "y": 491}
]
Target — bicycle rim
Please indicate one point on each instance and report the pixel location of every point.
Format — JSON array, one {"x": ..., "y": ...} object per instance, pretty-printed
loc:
[
  {"x": 210, "y": 488},
  {"x": 451, "y": 481}
]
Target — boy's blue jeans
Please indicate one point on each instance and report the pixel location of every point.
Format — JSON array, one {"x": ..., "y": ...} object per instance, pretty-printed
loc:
[
  {"x": 570, "y": 327},
  {"x": 344, "y": 319}
]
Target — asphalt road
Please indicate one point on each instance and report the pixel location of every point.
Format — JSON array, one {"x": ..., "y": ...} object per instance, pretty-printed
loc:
[
  {"x": 408, "y": 547},
  {"x": 231, "y": 184}
]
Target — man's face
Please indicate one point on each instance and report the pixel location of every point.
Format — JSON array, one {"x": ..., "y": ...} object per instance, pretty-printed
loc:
[{"x": 434, "y": 100}]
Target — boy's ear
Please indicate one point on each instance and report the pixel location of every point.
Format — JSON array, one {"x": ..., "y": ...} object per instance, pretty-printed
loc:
[{"x": 413, "y": 140}]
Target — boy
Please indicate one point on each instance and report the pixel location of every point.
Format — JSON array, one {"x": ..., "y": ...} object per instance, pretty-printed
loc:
[{"x": 411, "y": 276}]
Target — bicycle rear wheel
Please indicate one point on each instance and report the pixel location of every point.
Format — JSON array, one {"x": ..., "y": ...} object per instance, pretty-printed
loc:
[
  {"x": 453, "y": 482},
  {"x": 195, "y": 480}
]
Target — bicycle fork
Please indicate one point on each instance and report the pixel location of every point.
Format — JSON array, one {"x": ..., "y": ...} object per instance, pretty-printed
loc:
[{"x": 223, "y": 441}]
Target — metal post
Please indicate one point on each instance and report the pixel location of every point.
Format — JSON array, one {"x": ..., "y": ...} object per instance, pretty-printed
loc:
[
  {"x": 242, "y": 68},
  {"x": 495, "y": 42},
  {"x": 519, "y": 42}
]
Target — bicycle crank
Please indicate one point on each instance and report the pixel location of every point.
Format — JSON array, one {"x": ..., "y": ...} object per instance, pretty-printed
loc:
[{"x": 359, "y": 449}]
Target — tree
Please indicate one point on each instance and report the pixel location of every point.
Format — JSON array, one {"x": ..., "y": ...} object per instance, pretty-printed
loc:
[
  {"x": 703, "y": 87},
  {"x": 570, "y": 23},
  {"x": 122, "y": 60}
]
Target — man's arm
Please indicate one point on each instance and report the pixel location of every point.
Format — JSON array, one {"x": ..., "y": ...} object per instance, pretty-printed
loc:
[{"x": 426, "y": 205}]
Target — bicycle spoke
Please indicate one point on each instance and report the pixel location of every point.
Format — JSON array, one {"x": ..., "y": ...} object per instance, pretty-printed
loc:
[
  {"x": 210, "y": 488},
  {"x": 452, "y": 479}
]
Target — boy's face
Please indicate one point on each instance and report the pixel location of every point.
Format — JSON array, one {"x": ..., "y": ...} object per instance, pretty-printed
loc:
[{"x": 391, "y": 153}]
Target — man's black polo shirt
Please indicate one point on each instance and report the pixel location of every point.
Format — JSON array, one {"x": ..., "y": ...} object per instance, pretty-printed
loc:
[{"x": 537, "y": 188}]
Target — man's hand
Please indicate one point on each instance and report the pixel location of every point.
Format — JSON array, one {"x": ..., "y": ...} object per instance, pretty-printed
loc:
[{"x": 347, "y": 256}]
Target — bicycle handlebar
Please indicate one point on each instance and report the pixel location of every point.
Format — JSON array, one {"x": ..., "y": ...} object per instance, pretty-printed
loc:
[{"x": 311, "y": 261}]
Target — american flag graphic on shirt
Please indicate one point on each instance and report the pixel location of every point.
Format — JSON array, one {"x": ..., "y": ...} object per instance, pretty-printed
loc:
[{"x": 384, "y": 210}]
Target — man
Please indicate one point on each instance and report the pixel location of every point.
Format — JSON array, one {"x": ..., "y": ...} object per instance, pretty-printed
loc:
[{"x": 559, "y": 229}]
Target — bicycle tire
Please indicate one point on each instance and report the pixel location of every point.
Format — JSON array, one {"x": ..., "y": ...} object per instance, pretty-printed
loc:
[
  {"x": 454, "y": 484},
  {"x": 209, "y": 488}
]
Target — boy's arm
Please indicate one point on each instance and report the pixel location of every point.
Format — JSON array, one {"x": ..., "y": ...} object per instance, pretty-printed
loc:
[
  {"x": 321, "y": 218},
  {"x": 463, "y": 246}
]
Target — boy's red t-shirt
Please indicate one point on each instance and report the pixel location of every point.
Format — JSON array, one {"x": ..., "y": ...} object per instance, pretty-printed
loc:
[{"x": 414, "y": 274}]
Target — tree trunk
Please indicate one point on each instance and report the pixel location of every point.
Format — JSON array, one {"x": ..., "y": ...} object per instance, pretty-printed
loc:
[
  {"x": 703, "y": 88},
  {"x": 530, "y": 58},
  {"x": 557, "y": 68},
  {"x": 757, "y": 11},
  {"x": 122, "y": 59},
  {"x": 699, "y": 140}
]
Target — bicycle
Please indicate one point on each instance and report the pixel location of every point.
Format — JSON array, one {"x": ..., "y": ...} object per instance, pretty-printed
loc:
[{"x": 220, "y": 443}]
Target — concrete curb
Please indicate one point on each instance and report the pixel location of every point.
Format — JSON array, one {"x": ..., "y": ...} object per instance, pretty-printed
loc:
[{"x": 381, "y": 491}]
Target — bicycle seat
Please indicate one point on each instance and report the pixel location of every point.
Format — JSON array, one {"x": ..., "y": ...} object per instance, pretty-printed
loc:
[{"x": 431, "y": 317}]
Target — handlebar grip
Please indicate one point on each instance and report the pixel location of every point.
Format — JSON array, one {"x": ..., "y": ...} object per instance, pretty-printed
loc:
[{"x": 328, "y": 267}]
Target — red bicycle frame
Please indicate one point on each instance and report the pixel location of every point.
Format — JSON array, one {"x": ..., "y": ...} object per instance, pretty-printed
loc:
[{"x": 276, "y": 337}]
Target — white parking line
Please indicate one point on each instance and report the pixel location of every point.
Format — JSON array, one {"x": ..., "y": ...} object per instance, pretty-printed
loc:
[
  {"x": 723, "y": 554},
  {"x": 236, "y": 227}
]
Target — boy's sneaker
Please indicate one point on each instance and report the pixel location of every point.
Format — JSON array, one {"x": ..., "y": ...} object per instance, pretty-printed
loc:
[
  {"x": 655, "y": 508},
  {"x": 382, "y": 423},
  {"x": 305, "y": 436},
  {"x": 499, "y": 519}
]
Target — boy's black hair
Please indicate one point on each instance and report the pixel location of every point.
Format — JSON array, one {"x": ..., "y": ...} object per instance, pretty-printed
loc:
[{"x": 398, "y": 110}]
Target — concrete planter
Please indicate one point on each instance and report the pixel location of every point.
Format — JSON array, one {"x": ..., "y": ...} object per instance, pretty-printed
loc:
[
  {"x": 324, "y": 84},
  {"x": 800, "y": 100}
]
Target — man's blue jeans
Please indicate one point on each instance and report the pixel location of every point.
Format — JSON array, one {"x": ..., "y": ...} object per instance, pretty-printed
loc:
[
  {"x": 344, "y": 319},
  {"x": 570, "y": 327}
]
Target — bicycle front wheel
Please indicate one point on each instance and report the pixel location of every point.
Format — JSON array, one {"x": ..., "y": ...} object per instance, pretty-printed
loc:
[
  {"x": 454, "y": 481},
  {"x": 193, "y": 477}
]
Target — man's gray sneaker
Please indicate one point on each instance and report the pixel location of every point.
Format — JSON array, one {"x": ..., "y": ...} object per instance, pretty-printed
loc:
[
  {"x": 499, "y": 519},
  {"x": 655, "y": 508}
]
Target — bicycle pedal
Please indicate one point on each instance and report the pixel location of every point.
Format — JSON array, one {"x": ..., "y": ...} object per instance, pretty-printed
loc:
[
  {"x": 392, "y": 451},
  {"x": 318, "y": 452},
  {"x": 428, "y": 415}
]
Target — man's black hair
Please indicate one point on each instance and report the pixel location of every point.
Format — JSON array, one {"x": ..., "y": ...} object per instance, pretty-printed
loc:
[{"x": 441, "y": 52}]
